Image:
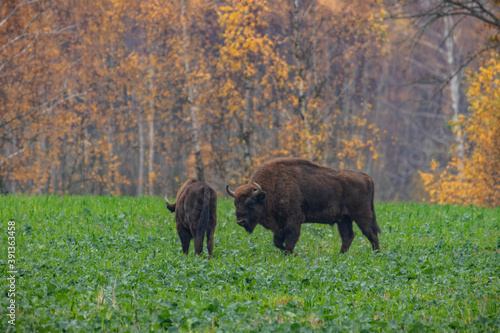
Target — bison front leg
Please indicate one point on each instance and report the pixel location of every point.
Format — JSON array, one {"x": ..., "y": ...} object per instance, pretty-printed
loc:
[
  {"x": 365, "y": 223},
  {"x": 292, "y": 235},
  {"x": 373, "y": 238},
  {"x": 279, "y": 239}
]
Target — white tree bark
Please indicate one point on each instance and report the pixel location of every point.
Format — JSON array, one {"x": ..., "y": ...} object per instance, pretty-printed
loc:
[
  {"x": 112, "y": 185},
  {"x": 151, "y": 154},
  {"x": 41, "y": 144},
  {"x": 191, "y": 97},
  {"x": 299, "y": 60},
  {"x": 151, "y": 133},
  {"x": 14, "y": 150},
  {"x": 83, "y": 169},
  {"x": 140, "y": 125},
  {"x": 246, "y": 130},
  {"x": 454, "y": 82},
  {"x": 315, "y": 49}
]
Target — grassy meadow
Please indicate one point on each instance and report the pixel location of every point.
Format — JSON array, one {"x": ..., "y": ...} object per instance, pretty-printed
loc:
[{"x": 114, "y": 264}]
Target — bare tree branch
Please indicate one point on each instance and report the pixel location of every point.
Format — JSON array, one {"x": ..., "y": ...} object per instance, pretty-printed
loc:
[
  {"x": 23, "y": 3},
  {"x": 483, "y": 10},
  {"x": 5, "y": 159}
]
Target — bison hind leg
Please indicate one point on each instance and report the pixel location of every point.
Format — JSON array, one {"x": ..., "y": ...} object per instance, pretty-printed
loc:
[
  {"x": 210, "y": 241},
  {"x": 185, "y": 236},
  {"x": 198, "y": 244},
  {"x": 346, "y": 233}
]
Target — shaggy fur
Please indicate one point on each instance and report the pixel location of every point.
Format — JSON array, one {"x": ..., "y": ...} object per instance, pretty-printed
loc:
[
  {"x": 296, "y": 191},
  {"x": 195, "y": 215}
]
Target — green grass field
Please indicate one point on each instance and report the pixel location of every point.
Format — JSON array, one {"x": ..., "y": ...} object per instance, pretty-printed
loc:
[{"x": 115, "y": 264}]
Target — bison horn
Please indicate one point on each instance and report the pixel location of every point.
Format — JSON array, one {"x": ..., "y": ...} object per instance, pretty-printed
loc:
[
  {"x": 259, "y": 189},
  {"x": 166, "y": 200},
  {"x": 231, "y": 193}
]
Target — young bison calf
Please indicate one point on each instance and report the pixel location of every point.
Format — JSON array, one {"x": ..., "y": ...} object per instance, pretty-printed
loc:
[{"x": 195, "y": 214}]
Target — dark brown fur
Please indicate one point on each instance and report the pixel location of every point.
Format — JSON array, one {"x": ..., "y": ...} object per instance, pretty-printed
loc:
[
  {"x": 195, "y": 215},
  {"x": 297, "y": 191}
]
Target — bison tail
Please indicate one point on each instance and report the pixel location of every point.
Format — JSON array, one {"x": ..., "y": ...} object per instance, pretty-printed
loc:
[
  {"x": 205, "y": 212},
  {"x": 375, "y": 227}
]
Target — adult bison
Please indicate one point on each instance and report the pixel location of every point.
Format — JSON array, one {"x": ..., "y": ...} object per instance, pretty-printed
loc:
[
  {"x": 195, "y": 215},
  {"x": 286, "y": 192}
]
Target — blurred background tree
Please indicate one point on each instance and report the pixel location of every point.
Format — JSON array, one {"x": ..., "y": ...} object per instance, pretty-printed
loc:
[{"x": 126, "y": 97}]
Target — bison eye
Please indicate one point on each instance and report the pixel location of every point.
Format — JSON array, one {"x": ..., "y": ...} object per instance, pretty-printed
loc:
[{"x": 250, "y": 204}]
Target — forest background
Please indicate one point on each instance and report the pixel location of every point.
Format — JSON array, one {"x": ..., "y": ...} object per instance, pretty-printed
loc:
[{"x": 128, "y": 97}]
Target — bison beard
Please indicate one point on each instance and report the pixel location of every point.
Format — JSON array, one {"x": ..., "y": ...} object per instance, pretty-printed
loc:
[
  {"x": 287, "y": 192},
  {"x": 195, "y": 215}
]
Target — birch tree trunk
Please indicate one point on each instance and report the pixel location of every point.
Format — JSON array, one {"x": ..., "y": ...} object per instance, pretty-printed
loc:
[
  {"x": 191, "y": 98},
  {"x": 14, "y": 149},
  {"x": 317, "y": 90},
  {"x": 86, "y": 157},
  {"x": 41, "y": 144},
  {"x": 151, "y": 133},
  {"x": 246, "y": 131},
  {"x": 140, "y": 186},
  {"x": 111, "y": 172},
  {"x": 151, "y": 154},
  {"x": 300, "y": 63},
  {"x": 315, "y": 51},
  {"x": 454, "y": 82}
]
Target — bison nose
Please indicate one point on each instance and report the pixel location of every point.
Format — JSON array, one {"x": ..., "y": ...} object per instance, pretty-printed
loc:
[{"x": 240, "y": 222}]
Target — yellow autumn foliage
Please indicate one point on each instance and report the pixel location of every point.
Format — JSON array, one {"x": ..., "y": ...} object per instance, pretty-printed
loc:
[
  {"x": 475, "y": 179},
  {"x": 100, "y": 105}
]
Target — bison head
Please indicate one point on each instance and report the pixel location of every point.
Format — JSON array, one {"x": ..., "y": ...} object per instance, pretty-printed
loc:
[{"x": 249, "y": 203}]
